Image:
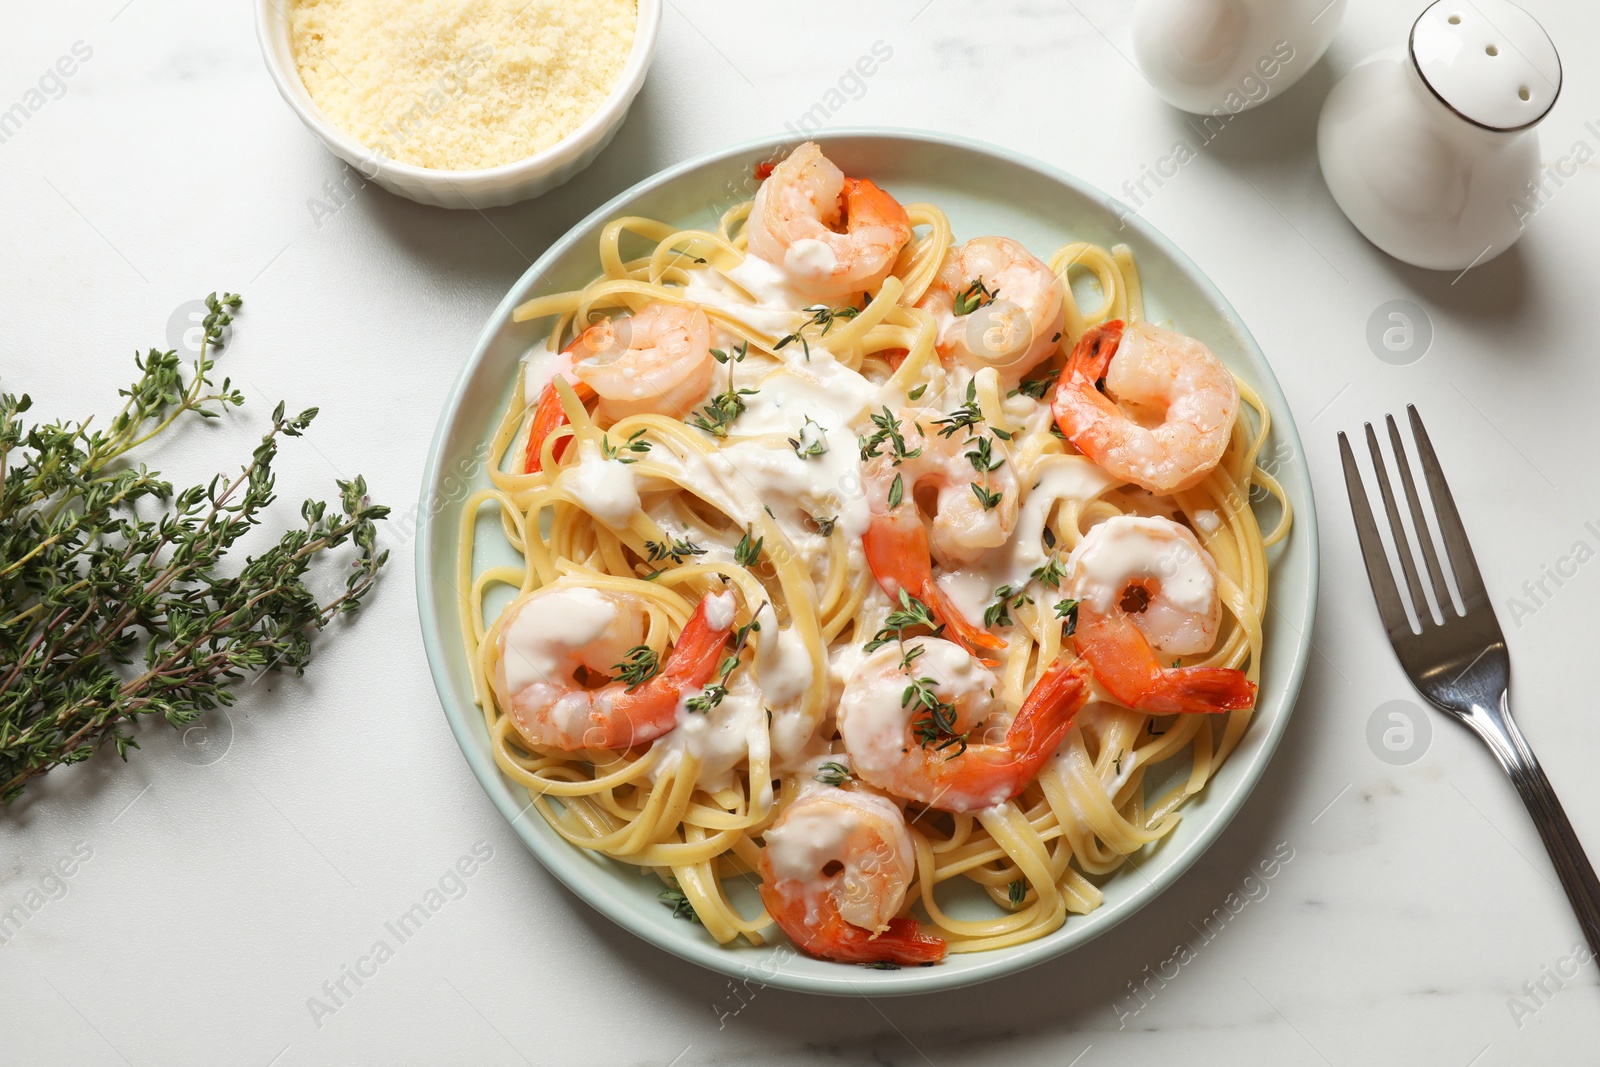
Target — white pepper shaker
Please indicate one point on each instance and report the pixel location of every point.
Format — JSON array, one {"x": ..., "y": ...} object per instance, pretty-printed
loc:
[
  {"x": 1217, "y": 57},
  {"x": 1431, "y": 149}
]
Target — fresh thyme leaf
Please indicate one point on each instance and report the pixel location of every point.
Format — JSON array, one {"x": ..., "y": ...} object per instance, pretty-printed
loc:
[
  {"x": 975, "y": 296},
  {"x": 717, "y": 416},
  {"x": 747, "y": 552},
  {"x": 737, "y": 356},
  {"x": 911, "y": 613},
  {"x": 679, "y": 903},
  {"x": 638, "y": 666},
  {"x": 1006, "y": 598},
  {"x": 712, "y": 695},
  {"x": 882, "y": 965},
  {"x": 989, "y": 500},
  {"x": 674, "y": 549},
  {"x": 825, "y": 526},
  {"x": 816, "y": 446},
  {"x": 820, "y": 316},
  {"x": 832, "y": 773},
  {"x": 897, "y": 492},
  {"x": 1068, "y": 610},
  {"x": 963, "y": 418},
  {"x": 916, "y": 394},
  {"x": 981, "y": 458},
  {"x": 634, "y": 443},
  {"x": 888, "y": 430},
  {"x": 1052, "y": 573},
  {"x": 121, "y": 597},
  {"x": 1034, "y": 387},
  {"x": 1017, "y": 892}
]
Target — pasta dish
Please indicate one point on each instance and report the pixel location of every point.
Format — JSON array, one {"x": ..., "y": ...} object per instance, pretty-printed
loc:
[{"x": 877, "y": 572}]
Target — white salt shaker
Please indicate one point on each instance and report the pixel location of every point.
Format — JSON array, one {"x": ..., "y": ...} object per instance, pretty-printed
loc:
[
  {"x": 1214, "y": 57},
  {"x": 1430, "y": 149}
]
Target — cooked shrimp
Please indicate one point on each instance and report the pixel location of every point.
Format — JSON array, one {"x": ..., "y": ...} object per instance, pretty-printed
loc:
[
  {"x": 561, "y": 636},
  {"x": 834, "y": 876},
  {"x": 900, "y": 743},
  {"x": 831, "y": 236},
  {"x": 1167, "y": 411},
  {"x": 973, "y": 512},
  {"x": 1012, "y": 302},
  {"x": 655, "y": 361},
  {"x": 1145, "y": 585}
]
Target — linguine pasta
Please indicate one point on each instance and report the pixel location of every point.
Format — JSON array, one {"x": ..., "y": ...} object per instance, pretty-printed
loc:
[{"x": 666, "y": 509}]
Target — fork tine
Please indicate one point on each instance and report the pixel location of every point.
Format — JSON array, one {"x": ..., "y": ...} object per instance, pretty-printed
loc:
[
  {"x": 1402, "y": 545},
  {"x": 1457, "y": 547},
  {"x": 1390, "y": 609},
  {"x": 1419, "y": 521}
]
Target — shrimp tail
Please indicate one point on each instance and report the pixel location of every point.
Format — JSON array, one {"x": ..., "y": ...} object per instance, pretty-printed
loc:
[
  {"x": 862, "y": 203},
  {"x": 830, "y": 937},
  {"x": 898, "y": 553},
  {"x": 1047, "y": 713},
  {"x": 1126, "y": 665},
  {"x": 698, "y": 650},
  {"x": 974, "y": 639},
  {"x": 1200, "y": 690},
  {"x": 549, "y": 417},
  {"x": 647, "y": 711},
  {"x": 1091, "y": 356}
]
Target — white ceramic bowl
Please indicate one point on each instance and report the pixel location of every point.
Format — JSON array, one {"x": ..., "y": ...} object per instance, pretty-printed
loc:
[{"x": 489, "y": 187}]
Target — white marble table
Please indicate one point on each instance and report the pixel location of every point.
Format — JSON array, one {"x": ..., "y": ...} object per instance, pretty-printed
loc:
[{"x": 208, "y": 902}]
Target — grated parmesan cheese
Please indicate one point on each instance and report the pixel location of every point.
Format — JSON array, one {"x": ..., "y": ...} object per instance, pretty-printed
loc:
[{"x": 461, "y": 84}]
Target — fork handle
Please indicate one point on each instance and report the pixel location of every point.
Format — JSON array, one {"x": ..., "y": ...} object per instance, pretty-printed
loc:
[{"x": 1566, "y": 852}]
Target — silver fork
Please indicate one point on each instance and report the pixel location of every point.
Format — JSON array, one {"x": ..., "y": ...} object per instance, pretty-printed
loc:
[{"x": 1460, "y": 665}]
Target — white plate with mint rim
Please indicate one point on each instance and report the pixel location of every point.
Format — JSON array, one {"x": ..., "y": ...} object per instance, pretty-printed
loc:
[{"x": 984, "y": 190}]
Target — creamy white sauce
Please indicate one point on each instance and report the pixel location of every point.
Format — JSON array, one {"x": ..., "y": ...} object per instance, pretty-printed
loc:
[
  {"x": 755, "y": 293},
  {"x": 543, "y": 636},
  {"x": 783, "y": 663},
  {"x": 603, "y": 487},
  {"x": 541, "y": 368},
  {"x": 1208, "y": 521},
  {"x": 721, "y": 739},
  {"x": 719, "y": 610},
  {"x": 811, "y": 259},
  {"x": 810, "y": 838},
  {"x": 1056, "y": 479}
]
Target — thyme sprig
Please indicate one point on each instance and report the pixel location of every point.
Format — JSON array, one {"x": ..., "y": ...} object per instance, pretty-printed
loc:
[
  {"x": 975, "y": 296},
  {"x": 635, "y": 443},
  {"x": 717, "y": 416},
  {"x": 910, "y": 614},
  {"x": 820, "y": 315},
  {"x": 113, "y": 604}
]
